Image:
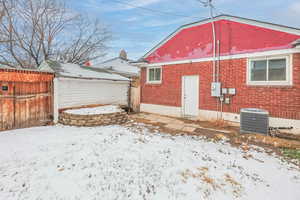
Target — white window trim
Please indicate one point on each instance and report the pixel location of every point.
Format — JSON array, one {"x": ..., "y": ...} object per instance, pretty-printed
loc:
[
  {"x": 154, "y": 82},
  {"x": 289, "y": 71}
]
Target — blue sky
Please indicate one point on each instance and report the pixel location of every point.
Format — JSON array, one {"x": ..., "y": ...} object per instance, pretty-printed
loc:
[{"x": 138, "y": 30}]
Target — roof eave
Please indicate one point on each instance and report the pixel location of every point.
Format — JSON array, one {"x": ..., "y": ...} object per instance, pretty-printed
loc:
[{"x": 92, "y": 78}]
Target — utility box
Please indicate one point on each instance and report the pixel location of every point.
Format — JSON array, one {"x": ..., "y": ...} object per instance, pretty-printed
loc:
[
  {"x": 227, "y": 100},
  {"x": 215, "y": 89},
  {"x": 224, "y": 91},
  {"x": 231, "y": 91},
  {"x": 254, "y": 120}
]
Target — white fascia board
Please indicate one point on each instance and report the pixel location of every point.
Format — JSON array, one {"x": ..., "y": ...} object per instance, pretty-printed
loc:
[
  {"x": 237, "y": 56},
  {"x": 92, "y": 80},
  {"x": 267, "y": 25}
]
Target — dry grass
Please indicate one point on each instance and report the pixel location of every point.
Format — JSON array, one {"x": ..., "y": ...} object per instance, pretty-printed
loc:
[
  {"x": 202, "y": 175},
  {"x": 231, "y": 180},
  {"x": 221, "y": 123},
  {"x": 237, "y": 186}
]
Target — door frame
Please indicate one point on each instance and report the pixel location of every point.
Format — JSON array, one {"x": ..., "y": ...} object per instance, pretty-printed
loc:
[{"x": 183, "y": 92}]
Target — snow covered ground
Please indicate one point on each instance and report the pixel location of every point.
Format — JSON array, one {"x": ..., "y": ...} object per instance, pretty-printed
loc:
[
  {"x": 95, "y": 110},
  {"x": 117, "y": 162}
]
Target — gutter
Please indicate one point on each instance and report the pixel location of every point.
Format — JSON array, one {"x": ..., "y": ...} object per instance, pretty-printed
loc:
[
  {"x": 85, "y": 78},
  {"x": 296, "y": 44}
]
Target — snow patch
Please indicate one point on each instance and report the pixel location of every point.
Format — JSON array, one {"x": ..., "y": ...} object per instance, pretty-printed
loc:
[
  {"x": 74, "y": 70},
  {"x": 117, "y": 162},
  {"x": 95, "y": 110},
  {"x": 118, "y": 65}
]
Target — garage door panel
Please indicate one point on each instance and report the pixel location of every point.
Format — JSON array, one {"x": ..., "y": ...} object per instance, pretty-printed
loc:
[{"x": 83, "y": 92}]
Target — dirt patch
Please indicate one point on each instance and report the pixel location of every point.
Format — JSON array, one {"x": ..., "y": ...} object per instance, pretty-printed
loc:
[
  {"x": 210, "y": 131},
  {"x": 272, "y": 141},
  {"x": 218, "y": 124},
  {"x": 285, "y": 135},
  {"x": 232, "y": 135}
]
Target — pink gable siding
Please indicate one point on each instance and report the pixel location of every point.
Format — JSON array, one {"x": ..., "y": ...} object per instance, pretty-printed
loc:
[{"x": 235, "y": 38}]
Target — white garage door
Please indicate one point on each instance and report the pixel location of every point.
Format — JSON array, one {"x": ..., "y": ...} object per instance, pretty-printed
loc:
[{"x": 78, "y": 92}]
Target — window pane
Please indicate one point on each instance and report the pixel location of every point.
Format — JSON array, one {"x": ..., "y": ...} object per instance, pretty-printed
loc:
[
  {"x": 277, "y": 70},
  {"x": 157, "y": 74},
  {"x": 151, "y": 75},
  {"x": 259, "y": 70}
]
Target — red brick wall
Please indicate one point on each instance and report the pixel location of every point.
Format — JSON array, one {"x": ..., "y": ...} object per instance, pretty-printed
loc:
[{"x": 280, "y": 101}]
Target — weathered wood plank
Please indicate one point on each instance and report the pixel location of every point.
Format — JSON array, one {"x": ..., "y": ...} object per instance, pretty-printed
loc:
[{"x": 25, "y": 104}]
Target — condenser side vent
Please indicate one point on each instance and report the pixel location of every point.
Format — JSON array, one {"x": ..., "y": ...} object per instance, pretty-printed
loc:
[{"x": 254, "y": 120}]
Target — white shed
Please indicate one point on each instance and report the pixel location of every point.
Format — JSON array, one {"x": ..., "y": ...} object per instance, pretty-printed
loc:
[
  {"x": 78, "y": 86},
  {"x": 123, "y": 66}
]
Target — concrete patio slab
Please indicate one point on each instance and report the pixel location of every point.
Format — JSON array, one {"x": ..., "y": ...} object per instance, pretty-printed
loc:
[
  {"x": 188, "y": 129},
  {"x": 178, "y": 127}
]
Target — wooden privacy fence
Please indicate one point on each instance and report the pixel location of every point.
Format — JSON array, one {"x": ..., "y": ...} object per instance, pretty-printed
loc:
[
  {"x": 135, "y": 93},
  {"x": 26, "y": 98}
]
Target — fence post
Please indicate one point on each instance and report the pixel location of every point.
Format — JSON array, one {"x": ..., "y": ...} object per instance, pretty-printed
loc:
[{"x": 55, "y": 100}]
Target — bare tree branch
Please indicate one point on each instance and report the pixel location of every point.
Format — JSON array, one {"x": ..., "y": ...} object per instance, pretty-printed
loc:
[
  {"x": 88, "y": 42},
  {"x": 35, "y": 30}
]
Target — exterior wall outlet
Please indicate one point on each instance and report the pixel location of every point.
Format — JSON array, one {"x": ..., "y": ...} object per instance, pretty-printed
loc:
[
  {"x": 227, "y": 100},
  {"x": 232, "y": 91}
]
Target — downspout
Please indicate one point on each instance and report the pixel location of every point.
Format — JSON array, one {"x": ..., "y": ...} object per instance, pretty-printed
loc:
[
  {"x": 218, "y": 78},
  {"x": 214, "y": 45},
  {"x": 214, "y": 52},
  {"x": 218, "y": 61}
]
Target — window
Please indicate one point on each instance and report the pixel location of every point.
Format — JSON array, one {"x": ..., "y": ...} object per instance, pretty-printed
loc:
[
  {"x": 154, "y": 75},
  {"x": 269, "y": 71}
]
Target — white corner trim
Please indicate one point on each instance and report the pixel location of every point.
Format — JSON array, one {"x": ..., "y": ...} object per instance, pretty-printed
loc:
[
  {"x": 236, "y": 56},
  {"x": 289, "y": 71},
  {"x": 160, "y": 109},
  {"x": 55, "y": 100}
]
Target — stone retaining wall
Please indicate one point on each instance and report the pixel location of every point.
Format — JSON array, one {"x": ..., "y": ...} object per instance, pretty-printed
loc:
[{"x": 93, "y": 120}]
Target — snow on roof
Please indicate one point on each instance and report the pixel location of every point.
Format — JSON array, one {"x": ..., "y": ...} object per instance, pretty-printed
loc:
[
  {"x": 5, "y": 67},
  {"x": 118, "y": 65},
  {"x": 74, "y": 70}
]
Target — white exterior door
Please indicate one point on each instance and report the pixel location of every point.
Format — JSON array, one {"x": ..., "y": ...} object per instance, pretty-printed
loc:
[{"x": 190, "y": 95}]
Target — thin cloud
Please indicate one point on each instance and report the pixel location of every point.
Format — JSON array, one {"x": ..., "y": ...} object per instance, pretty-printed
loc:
[
  {"x": 294, "y": 9},
  {"x": 161, "y": 22},
  {"x": 110, "y": 6},
  {"x": 132, "y": 19}
]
